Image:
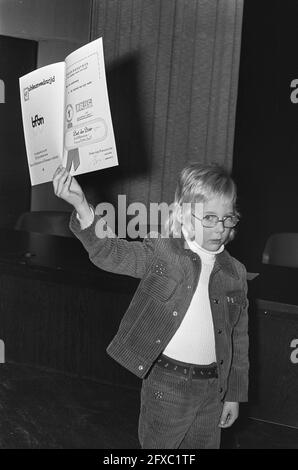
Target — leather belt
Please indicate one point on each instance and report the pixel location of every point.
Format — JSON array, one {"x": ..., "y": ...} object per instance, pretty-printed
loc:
[{"x": 191, "y": 370}]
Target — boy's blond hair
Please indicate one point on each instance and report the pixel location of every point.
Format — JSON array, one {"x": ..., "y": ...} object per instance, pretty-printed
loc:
[{"x": 199, "y": 182}]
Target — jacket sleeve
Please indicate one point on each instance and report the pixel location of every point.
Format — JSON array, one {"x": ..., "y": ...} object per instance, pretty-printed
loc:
[
  {"x": 238, "y": 378},
  {"x": 111, "y": 253}
]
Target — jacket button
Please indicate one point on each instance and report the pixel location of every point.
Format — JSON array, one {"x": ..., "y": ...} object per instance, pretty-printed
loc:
[
  {"x": 216, "y": 301},
  {"x": 141, "y": 367},
  {"x": 188, "y": 287},
  {"x": 157, "y": 341},
  {"x": 175, "y": 313},
  {"x": 221, "y": 362},
  {"x": 219, "y": 332}
]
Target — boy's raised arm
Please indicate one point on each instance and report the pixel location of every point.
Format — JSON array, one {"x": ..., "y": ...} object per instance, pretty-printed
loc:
[
  {"x": 112, "y": 253},
  {"x": 107, "y": 252}
]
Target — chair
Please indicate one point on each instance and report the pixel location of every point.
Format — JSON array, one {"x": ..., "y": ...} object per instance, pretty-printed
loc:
[
  {"x": 47, "y": 222},
  {"x": 281, "y": 249}
]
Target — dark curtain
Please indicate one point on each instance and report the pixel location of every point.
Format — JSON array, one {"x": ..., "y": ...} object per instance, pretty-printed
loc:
[{"x": 172, "y": 71}]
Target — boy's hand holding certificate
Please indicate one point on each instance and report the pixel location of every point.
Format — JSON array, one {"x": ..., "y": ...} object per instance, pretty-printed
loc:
[{"x": 66, "y": 116}]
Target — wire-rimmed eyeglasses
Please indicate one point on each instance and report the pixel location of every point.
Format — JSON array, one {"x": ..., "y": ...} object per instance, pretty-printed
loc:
[{"x": 210, "y": 221}]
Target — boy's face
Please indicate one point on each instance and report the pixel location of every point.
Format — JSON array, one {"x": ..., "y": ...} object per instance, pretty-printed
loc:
[
  {"x": 213, "y": 238},
  {"x": 209, "y": 238}
]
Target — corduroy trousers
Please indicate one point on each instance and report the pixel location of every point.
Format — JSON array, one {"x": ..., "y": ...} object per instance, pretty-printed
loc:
[{"x": 179, "y": 412}]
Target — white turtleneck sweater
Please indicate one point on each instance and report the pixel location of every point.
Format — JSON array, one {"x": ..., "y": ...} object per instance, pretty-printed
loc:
[{"x": 194, "y": 340}]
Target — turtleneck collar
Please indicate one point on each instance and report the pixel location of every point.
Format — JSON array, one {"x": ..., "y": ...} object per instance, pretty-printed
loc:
[{"x": 205, "y": 255}]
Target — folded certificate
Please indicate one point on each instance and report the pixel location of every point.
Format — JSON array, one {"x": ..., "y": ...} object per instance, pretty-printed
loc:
[{"x": 66, "y": 115}]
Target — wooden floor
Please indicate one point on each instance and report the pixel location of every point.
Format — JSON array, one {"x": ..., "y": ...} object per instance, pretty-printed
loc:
[{"x": 41, "y": 409}]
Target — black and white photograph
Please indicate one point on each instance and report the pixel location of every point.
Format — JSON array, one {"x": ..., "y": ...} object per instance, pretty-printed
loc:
[{"x": 148, "y": 227}]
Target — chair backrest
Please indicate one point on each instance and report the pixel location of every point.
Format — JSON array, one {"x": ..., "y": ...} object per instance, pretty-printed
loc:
[
  {"x": 47, "y": 222},
  {"x": 281, "y": 249}
]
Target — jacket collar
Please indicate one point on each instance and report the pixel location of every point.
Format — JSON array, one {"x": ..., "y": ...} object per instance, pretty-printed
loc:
[{"x": 223, "y": 260}]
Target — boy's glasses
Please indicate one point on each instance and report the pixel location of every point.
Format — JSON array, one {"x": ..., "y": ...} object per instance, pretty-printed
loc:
[{"x": 210, "y": 221}]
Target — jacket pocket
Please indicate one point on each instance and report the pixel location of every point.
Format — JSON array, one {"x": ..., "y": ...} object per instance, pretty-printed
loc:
[
  {"x": 159, "y": 283},
  {"x": 236, "y": 301}
]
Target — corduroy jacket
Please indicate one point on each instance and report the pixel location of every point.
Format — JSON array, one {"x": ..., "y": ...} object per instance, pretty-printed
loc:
[{"x": 169, "y": 273}]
